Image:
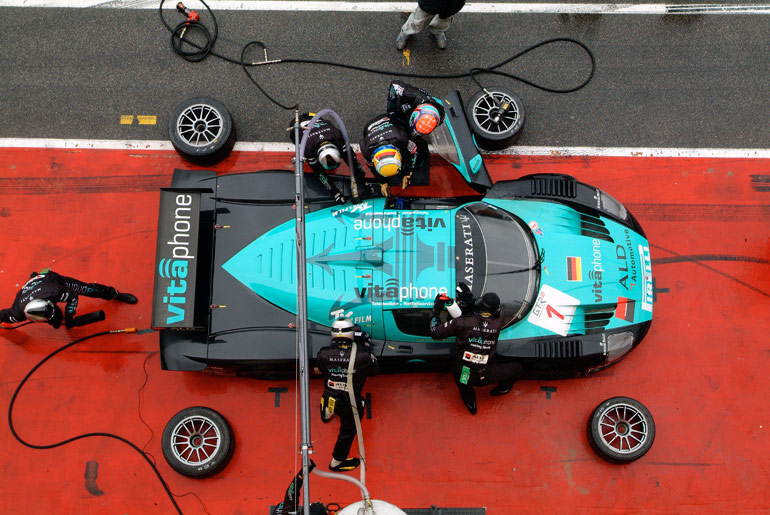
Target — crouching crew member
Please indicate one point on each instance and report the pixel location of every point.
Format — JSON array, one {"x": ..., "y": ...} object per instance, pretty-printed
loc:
[
  {"x": 333, "y": 362},
  {"x": 36, "y": 301},
  {"x": 414, "y": 109},
  {"x": 391, "y": 153},
  {"x": 325, "y": 149},
  {"x": 474, "y": 362}
]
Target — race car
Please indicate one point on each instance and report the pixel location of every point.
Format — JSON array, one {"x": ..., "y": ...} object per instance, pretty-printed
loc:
[{"x": 570, "y": 263}]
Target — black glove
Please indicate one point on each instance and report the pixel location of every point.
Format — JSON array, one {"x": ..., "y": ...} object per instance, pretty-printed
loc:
[
  {"x": 438, "y": 304},
  {"x": 339, "y": 198},
  {"x": 57, "y": 318},
  {"x": 362, "y": 338},
  {"x": 464, "y": 297}
]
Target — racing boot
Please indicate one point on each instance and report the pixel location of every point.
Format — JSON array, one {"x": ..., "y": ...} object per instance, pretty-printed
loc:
[
  {"x": 125, "y": 297},
  {"x": 501, "y": 389},
  {"x": 348, "y": 464},
  {"x": 401, "y": 40},
  {"x": 440, "y": 40}
]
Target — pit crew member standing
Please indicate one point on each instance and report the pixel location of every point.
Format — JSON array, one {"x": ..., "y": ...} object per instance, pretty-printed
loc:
[
  {"x": 474, "y": 363},
  {"x": 325, "y": 149},
  {"x": 391, "y": 153},
  {"x": 36, "y": 301},
  {"x": 333, "y": 362}
]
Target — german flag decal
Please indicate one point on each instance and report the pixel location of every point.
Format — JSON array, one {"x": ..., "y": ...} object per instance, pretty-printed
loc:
[
  {"x": 574, "y": 268},
  {"x": 625, "y": 309}
]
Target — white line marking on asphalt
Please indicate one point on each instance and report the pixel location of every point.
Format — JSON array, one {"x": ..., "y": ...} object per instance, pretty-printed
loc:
[
  {"x": 727, "y": 153},
  {"x": 478, "y": 7}
]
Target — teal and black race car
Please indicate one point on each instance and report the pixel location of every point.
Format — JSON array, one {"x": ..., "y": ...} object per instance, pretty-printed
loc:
[{"x": 569, "y": 262}]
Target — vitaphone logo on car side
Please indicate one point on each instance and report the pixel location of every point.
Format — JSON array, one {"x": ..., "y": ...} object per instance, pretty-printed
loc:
[
  {"x": 176, "y": 253},
  {"x": 596, "y": 273},
  {"x": 391, "y": 221}
]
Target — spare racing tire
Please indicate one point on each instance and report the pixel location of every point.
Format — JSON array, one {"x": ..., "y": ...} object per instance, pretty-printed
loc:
[
  {"x": 197, "y": 442},
  {"x": 202, "y": 130},
  {"x": 493, "y": 128},
  {"x": 621, "y": 430}
]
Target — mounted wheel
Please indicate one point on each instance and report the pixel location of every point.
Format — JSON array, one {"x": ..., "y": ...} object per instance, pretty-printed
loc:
[
  {"x": 621, "y": 430},
  {"x": 202, "y": 130},
  {"x": 496, "y": 119},
  {"x": 197, "y": 442}
]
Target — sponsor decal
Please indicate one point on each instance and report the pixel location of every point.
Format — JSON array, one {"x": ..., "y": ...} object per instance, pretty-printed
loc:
[
  {"x": 574, "y": 268},
  {"x": 644, "y": 255},
  {"x": 352, "y": 208},
  {"x": 625, "y": 309},
  {"x": 535, "y": 228},
  {"x": 553, "y": 310},
  {"x": 596, "y": 273},
  {"x": 407, "y": 294},
  {"x": 626, "y": 263},
  {"x": 174, "y": 294},
  {"x": 470, "y": 255}
]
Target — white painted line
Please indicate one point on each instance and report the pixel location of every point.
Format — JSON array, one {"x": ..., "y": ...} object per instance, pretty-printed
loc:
[
  {"x": 727, "y": 153},
  {"x": 332, "y": 6}
]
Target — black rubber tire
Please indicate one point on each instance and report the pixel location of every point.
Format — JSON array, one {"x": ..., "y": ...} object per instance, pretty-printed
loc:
[
  {"x": 481, "y": 110},
  {"x": 198, "y": 442},
  {"x": 621, "y": 430},
  {"x": 202, "y": 130}
]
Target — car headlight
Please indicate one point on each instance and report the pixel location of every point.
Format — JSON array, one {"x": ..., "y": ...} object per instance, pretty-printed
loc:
[
  {"x": 614, "y": 207},
  {"x": 618, "y": 344}
]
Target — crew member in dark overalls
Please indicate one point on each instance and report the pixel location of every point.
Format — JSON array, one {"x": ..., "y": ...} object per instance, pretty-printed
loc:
[
  {"x": 325, "y": 149},
  {"x": 414, "y": 109},
  {"x": 474, "y": 362},
  {"x": 333, "y": 362},
  {"x": 391, "y": 153},
  {"x": 36, "y": 301}
]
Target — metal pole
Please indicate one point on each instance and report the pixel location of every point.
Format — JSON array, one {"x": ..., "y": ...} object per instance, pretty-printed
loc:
[{"x": 304, "y": 363}]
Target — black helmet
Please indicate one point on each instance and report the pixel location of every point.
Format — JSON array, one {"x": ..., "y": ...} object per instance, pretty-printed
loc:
[
  {"x": 489, "y": 304},
  {"x": 343, "y": 330},
  {"x": 39, "y": 310}
]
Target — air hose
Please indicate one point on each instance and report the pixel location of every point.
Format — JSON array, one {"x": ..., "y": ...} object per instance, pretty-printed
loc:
[
  {"x": 87, "y": 435},
  {"x": 210, "y": 39}
]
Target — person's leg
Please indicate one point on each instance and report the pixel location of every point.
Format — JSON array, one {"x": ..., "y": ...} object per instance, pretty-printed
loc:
[
  {"x": 413, "y": 25},
  {"x": 463, "y": 381},
  {"x": 505, "y": 374},
  {"x": 347, "y": 434},
  {"x": 438, "y": 28}
]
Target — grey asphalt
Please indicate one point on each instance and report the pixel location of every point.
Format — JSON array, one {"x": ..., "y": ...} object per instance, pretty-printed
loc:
[{"x": 694, "y": 81}]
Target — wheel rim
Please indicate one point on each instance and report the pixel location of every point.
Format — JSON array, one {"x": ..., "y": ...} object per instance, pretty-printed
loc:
[
  {"x": 195, "y": 440},
  {"x": 486, "y": 113},
  {"x": 623, "y": 428},
  {"x": 200, "y": 125}
]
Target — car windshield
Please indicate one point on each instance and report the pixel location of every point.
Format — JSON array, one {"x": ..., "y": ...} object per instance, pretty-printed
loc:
[{"x": 496, "y": 252}]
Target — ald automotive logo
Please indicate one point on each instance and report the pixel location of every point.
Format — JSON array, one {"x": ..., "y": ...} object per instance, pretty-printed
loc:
[{"x": 174, "y": 295}]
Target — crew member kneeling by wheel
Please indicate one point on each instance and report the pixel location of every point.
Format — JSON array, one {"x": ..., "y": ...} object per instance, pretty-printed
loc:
[
  {"x": 36, "y": 300},
  {"x": 474, "y": 363},
  {"x": 333, "y": 362}
]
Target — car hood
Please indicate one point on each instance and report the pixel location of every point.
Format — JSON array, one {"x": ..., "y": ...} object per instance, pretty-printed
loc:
[
  {"x": 595, "y": 273},
  {"x": 359, "y": 257}
]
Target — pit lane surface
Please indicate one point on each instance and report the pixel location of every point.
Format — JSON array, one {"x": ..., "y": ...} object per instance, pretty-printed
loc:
[
  {"x": 671, "y": 80},
  {"x": 93, "y": 212}
]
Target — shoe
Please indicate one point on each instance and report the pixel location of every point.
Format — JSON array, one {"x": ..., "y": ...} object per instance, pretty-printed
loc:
[
  {"x": 471, "y": 407},
  {"x": 125, "y": 297},
  {"x": 348, "y": 464},
  {"x": 440, "y": 40},
  {"x": 499, "y": 390},
  {"x": 402, "y": 39}
]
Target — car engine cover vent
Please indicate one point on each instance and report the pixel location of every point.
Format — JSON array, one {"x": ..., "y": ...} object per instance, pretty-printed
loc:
[
  {"x": 554, "y": 187},
  {"x": 560, "y": 349},
  {"x": 594, "y": 227}
]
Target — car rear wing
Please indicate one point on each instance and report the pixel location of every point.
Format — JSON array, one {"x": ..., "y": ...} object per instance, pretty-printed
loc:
[
  {"x": 179, "y": 265},
  {"x": 454, "y": 141}
]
